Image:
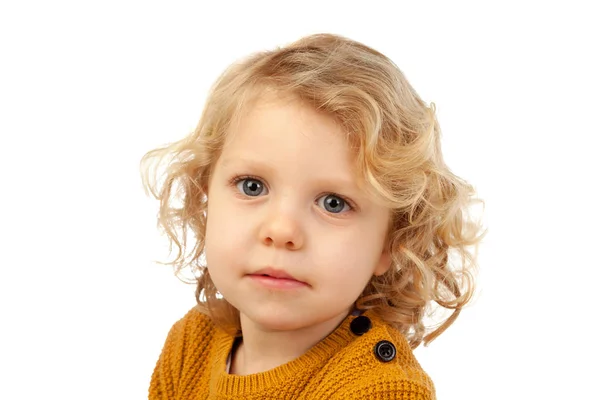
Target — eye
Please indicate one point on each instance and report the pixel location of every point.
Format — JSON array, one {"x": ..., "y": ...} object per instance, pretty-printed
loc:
[
  {"x": 333, "y": 204},
  {"x": 251, "y": 187}
]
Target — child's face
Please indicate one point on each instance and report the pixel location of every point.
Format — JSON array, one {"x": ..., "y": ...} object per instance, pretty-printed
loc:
[{"x": 284, "y": 195}]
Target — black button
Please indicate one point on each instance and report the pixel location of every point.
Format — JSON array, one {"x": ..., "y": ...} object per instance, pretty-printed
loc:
[
  {"x": 360, "y": 325},
  {"x": 385, "y": 351}
]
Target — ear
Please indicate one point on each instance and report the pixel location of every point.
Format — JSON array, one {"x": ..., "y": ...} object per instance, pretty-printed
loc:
[
  {"x": 384, "y": 263},
  {"x": 205, "y": 184}
]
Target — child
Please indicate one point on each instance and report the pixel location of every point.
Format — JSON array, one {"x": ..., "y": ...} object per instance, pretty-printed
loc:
[{"x": 324, "y": 224}]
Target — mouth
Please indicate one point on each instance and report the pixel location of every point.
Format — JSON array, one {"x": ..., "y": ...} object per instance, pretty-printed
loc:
[
  {"x": 275, "y": 273},
  {"x": 277, "y": 284}
]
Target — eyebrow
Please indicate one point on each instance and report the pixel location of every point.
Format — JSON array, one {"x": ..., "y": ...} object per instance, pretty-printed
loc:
[{"x": 244, "y": 161}]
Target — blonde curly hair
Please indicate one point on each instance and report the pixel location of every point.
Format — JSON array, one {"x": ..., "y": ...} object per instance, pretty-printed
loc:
[{"x": 396, "y": 137}]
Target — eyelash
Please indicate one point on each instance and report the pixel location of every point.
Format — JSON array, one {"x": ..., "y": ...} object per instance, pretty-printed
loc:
[
  {"x": 233, "y": 182},
  {"x": 237, "y": 179}
]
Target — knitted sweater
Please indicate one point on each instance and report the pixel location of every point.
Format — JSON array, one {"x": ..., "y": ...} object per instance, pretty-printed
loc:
[{"x": 366, "y": 359}]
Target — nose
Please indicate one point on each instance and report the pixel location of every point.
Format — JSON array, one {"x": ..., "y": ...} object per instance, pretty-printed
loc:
[{"x": 282, "y": 228}]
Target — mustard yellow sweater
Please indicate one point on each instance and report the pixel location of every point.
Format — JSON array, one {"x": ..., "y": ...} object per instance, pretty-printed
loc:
[{"x": 364, "y": 359}]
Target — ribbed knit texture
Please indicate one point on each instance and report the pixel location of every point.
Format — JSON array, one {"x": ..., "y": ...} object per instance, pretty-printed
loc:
[{"x": 192, "y": 366}]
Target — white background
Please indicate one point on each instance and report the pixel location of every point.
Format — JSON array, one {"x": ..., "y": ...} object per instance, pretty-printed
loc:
[{"x": 86, "y": 88}]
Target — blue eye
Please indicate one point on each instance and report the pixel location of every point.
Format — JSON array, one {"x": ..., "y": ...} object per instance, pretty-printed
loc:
[
  {"x": 333, "y": 204},
  {"x": 250, "y": 187}
]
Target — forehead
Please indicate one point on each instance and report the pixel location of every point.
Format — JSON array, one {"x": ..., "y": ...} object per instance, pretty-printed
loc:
[
  {"x": 266, "y": 106},
  {"x": 286, "y": 123}
]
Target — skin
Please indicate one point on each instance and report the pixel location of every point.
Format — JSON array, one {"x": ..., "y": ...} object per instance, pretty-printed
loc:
[{"x": 284, "y": 194}]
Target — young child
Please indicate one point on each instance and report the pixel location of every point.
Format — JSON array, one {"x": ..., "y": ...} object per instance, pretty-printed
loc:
[{"x": 324, "y": 223}]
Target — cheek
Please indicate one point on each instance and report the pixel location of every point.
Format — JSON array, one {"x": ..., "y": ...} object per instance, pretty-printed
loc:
[
  {"x": 216, "y": 228},
  {"x": 227, "y": 232},
  {"x": 351, "y": 256}
]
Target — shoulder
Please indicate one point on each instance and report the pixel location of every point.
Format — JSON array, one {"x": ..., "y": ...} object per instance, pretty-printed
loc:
[
  {"x": 188, "y": 340},
  {"x": 381, "y": 364},
  {"x": 193, "y": 318},
  {"x": 395, "y": 383},
  {"x": 194, "y": 329}
]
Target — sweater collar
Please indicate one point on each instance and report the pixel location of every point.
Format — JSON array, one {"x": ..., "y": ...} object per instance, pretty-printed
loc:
[{"x": 313, "y": 360}]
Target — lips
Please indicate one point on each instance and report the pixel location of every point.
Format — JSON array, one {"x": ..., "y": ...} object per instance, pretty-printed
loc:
[{"x": 275, "y": 273}]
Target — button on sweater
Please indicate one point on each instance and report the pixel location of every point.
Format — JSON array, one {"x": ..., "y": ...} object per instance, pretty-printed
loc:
[{"x": 344, "y": 365}]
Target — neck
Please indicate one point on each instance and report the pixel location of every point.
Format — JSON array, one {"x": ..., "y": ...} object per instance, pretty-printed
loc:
[{"x": 263, "y": 348}]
